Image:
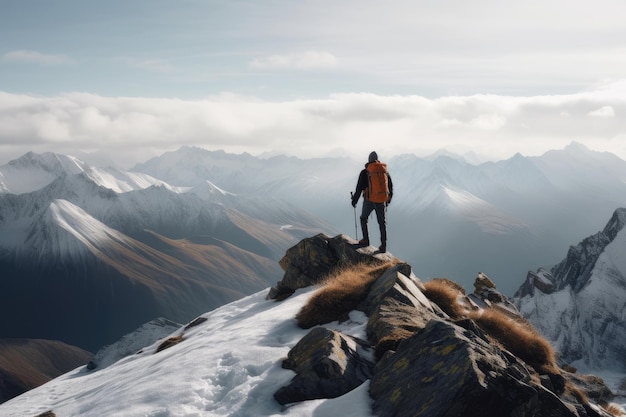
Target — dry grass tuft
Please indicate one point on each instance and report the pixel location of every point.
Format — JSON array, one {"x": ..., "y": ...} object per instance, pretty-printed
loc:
[
  {"x": 519, "y": 338},
  {"x": 446, "y": 294},
  {"x": 614, "y": 410},
  {"x": 577, "y": 393},
  {"x": 340, "y": 294}
]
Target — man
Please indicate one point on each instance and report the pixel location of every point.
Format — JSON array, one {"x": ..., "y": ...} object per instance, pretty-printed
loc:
[{"x": 375, "y": 184}]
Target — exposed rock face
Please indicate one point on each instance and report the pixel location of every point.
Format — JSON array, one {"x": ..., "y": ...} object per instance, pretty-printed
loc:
[
  {"x": 328, "y": 364},
  {"x": 426, "y": 364},
  {"x": 448, "y": 370},
  {"x": 578, "y": 304},
  {"x": 312, "y": 259}
]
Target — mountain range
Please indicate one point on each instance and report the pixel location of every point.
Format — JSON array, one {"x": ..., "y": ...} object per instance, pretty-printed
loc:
[
  {"x": 448, "y": 216},
  {"x": 64, "y": 224},
  {"x": 89, "y": 254}
]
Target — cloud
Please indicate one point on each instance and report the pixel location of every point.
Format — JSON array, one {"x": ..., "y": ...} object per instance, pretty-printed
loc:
[
  {"x": 34, "y": 57},
  {"x": 605, "y": 111},
  {"x": 492, "y": 125},
  {"x": 310, "y": 60}
]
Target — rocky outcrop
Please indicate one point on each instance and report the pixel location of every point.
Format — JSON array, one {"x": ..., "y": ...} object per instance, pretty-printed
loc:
[
  {"x": 328, "y": 364},
  {"x": 454, "y": 370},
  {"x": 426, "y": 363},
  {"x": 313, "y": 259},
  {"x": 578, "y": 304}
]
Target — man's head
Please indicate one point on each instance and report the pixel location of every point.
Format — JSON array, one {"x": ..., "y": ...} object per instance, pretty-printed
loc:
[{"x": 373, "y": 157}]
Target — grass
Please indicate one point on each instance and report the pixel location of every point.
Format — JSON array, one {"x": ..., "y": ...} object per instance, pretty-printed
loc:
[
  {"x": 446, "y": 294},
  {"x": 514, "y": 334},
  {"x": 520, "y": 338},
  {"x": 341, "y": 293}
]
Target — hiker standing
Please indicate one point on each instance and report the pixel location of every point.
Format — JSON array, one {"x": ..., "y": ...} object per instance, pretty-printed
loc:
[{"x": 375, "y": 184}]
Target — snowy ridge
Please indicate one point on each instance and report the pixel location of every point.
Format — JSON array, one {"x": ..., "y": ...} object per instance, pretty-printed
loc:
[
  {"x": 235, "y": 377},
  {"x": 122, "y": 182},
  {"x": 33, "y": 171},
  {"x": 133, "y": 342}
]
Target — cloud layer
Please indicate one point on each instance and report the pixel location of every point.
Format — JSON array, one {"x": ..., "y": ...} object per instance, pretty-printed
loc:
[{"x": 346, "y": 124}]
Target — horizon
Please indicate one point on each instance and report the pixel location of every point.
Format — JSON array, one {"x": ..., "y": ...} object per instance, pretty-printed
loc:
[
  {"x": 311, "y": 79},
  {"x": 96, "y": 159}
]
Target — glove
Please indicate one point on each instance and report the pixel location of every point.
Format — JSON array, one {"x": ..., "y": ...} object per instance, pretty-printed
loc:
[{"x": 355, "y": 200}]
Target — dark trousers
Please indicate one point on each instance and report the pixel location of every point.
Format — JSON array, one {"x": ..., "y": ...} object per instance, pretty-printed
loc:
[{"x": 368, "y": 207}]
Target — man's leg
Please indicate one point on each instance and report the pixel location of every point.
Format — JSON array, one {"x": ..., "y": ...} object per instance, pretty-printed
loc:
[
  {"x": 382, "y": 224},
  {"x": 368, "y": 207}
]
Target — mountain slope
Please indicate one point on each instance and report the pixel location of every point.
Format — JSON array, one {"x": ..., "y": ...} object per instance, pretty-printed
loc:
[
  {"x": 579, "y": 303},
  {"x": 28, "y": 363},
  {"x": 71, "y": 263}
]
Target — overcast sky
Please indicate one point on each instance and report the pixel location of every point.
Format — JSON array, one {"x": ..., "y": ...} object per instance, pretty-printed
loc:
[{"x": 134, "y": 78}]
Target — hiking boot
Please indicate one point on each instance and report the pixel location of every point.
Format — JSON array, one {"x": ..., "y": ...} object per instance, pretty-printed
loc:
[
  {"x": 383, "y": 248},
  {"x": 364, "y": 242}
]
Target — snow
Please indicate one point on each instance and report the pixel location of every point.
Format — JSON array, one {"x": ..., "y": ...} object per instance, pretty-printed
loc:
[
  {"x": 122, "y": 182},
  {"x": 229, "y": 365},
  {"x": 477, "y": 210}
]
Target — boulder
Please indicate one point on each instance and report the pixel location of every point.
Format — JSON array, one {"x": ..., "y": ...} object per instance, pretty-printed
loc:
[
  {"x": 313, "y": 259},
  {"x": 448, "y": 370},
  {"x": 397, "y": 308},
  {"x": 328, "y": 364}
]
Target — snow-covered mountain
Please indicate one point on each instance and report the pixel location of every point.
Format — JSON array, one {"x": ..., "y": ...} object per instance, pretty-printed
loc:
[
  {"x": 448, "y": 216},
  {"x": 32, "y": 172},
  {"x": 102, "y": 251},
  {"x": 580, "y": 303}
]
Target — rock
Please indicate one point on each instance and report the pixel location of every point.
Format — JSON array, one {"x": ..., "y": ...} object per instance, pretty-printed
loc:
[
  {"x": 486, "y": 295},
  {"x": 397, "y": 308},
  {"x": 328, "y": 364},
  {"x": 314, "y": 258},
  {"x": 447, "y": 370}
]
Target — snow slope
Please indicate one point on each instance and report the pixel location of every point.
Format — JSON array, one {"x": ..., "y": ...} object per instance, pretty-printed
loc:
[{"x": 230, "y": 365}]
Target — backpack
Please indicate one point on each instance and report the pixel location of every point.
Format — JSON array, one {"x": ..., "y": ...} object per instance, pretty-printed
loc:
[{"x": 378, "y": 183}]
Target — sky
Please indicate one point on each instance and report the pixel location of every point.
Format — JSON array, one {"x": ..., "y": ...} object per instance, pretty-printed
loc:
[{"x": 132, "y": 79}]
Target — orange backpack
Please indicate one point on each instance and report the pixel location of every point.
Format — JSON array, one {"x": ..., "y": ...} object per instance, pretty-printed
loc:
[{"x": 378, "y": 187}]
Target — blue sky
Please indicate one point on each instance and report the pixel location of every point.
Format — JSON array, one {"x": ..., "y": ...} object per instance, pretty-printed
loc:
[{"x": 311, "y": 78}]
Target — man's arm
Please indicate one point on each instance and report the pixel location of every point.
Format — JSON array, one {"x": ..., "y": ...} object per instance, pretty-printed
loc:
[{"x": 360, "y": 186}]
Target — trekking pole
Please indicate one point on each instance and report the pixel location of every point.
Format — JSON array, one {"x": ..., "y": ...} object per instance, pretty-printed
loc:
[{"x": 356, "y": 233}]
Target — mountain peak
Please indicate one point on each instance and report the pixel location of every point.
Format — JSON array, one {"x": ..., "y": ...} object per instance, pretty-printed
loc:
[
  {"x": 578, "y": 303},
  {"x": 49, "y": 162}
]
